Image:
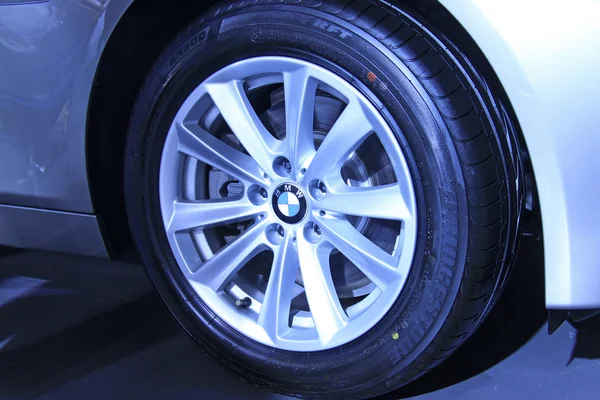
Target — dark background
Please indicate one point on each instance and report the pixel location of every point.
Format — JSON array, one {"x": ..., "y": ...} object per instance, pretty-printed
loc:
[{"x": 77, "y": 328}]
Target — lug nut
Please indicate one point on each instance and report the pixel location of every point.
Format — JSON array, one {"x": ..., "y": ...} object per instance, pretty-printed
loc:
[
  {"x": 287, "y": 165},
  {"x": 280, "y": 231},
  {"x": 317, "y": 230},
  {"x": 322, "y": 188},
  {"x": 263, "y": 193},
  {"x": 312, "y": 232}
]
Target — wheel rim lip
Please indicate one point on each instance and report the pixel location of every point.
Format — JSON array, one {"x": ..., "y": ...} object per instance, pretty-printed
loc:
[{"x": 217, "y": 303}]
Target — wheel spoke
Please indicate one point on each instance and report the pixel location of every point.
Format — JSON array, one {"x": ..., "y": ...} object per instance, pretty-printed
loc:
[
  {"x": 348, "y": 132},
  {"x": 218, "y": 271},
  {"x": 232, "y": 102},
  {"x": 325, "y": 307},
  {"x": 208, "y": 213},
  {"x": 300, "y": 90},
  {"x": 201, "y": 145},
  {"x": 379, "y": 266},
  {"x": 274, "y": 314},
  {"x": 384, "y": 202}
]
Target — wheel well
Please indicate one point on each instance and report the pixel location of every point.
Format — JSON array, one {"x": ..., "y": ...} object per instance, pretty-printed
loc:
[{"x": 134, "y": 45}]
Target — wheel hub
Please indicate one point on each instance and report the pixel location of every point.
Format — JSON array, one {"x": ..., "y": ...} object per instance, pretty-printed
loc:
[{"x": 289, "y": 203}]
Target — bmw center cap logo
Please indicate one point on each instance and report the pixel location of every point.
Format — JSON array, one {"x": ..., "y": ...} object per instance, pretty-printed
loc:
[{"x": 289, "y": 203}]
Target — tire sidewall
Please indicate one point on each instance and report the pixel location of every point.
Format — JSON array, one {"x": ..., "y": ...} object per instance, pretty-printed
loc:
[{"x": 423, "y": 306}]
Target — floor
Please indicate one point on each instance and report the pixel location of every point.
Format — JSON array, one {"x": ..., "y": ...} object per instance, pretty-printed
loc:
[{"x": 75, "y": 328}]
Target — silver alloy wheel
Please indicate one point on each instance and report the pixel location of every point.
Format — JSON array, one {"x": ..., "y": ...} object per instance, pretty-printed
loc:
[{"x": 288, "y": 198}]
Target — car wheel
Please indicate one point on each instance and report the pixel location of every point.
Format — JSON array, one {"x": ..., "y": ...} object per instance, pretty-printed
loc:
[{"x": 325, "y": 194}]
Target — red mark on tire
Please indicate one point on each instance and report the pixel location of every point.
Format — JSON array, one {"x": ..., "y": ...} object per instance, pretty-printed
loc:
[{"x": 371, "y": 77}]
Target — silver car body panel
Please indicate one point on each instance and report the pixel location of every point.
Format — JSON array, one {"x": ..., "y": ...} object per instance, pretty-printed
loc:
[
  {"x": 51, "y": 230},
  {"x": 544, "y": 54},
  {"x": 49, "y": 54}
]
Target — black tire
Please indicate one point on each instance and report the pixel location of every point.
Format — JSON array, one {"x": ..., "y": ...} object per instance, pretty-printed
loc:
[{"x": 462, "y": 154}]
